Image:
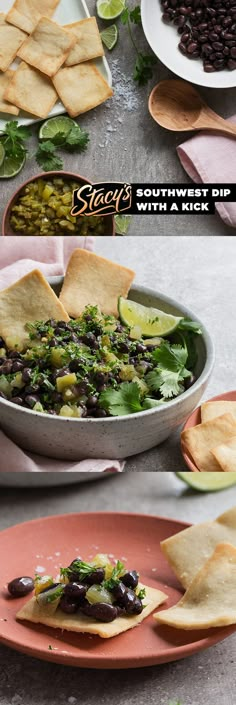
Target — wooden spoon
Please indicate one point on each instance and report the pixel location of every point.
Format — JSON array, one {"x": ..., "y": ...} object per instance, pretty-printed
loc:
[{"x": 178, "y": 106}]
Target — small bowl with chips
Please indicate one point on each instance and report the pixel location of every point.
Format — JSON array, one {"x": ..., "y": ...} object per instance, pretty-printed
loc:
[
  {"x": 208, "y": 439},
  {"x": 42, "y": 205}
]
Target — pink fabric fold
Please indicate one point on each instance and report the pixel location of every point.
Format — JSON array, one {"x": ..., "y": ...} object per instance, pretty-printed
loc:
[
  {"x": 211, "y": 158},
  {"x": 18, "y": 256}
]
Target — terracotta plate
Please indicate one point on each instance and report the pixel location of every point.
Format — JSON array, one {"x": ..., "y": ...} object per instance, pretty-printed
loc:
[
  {"x": 54, "y": 541},
  {"x": 194, "y": 419}
]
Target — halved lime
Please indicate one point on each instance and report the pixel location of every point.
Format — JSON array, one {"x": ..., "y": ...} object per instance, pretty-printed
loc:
[
  {"x": 11, "y": 166},
  {"x": 208, "y": 481},
  {"x": 109, "y": 37},
  {"x": 151, "y": 321},
  {"x": 122, "y": 223},
  {"x": 110, "y": 9},
  {"x": 2, "y": 153},
  {"x": 53, "y": 126}
]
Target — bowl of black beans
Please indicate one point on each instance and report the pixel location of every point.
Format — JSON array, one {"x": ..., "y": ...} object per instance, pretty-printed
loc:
[{"x": 196, "y": 39}]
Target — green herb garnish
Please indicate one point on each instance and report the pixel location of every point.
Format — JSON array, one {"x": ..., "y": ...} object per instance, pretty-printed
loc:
[
  {"x": 13, "y": 138},
  {"x": 144, "y": 64},
  {"x": 83, "y": 569},
  {"x": 170, "y": 373},
  {"x": 142, "y": 594},
  {"x": 122, "y": 401},
  {"x": 116, "y": 575}
]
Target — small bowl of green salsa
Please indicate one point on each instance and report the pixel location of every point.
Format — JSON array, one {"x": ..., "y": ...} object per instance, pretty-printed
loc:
[{"x": 42, "y": 206}]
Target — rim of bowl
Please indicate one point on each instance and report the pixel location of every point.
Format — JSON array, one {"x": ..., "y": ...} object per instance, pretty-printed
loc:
[
  {"x": 44, "y": 175},
  {"x": 205, "y": 374}
]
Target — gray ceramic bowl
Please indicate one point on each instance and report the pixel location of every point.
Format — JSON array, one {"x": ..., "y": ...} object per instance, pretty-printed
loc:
[{"x": 118, "y": 437}]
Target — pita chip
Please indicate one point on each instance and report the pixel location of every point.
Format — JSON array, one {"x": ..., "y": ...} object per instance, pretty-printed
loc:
[
  {"x": 225, "y": 455},
  {"x": 211, "y": 409},
  {"x": 28, "y": 300},
  {"x": 6, "y": 107},
  {"x": 25, "y": 14},
  {"x": 82, "y": 624},
  {"x": 81, "y": 88},
  {"x": 88, "y": 45},
  {"x": 201, "y": 439},
  {"x": 210, "y": 600},
  {"x": 188, "y": 550},
  {"x": 11, "y": 39},
  {"x": 96, "y": 281},
  {"x": 31, "y": 91},
  {"x": 47, "y": 47}
]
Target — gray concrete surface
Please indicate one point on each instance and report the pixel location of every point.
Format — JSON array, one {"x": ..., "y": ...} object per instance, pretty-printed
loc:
[
  {"x": 126, "y": 144},
  {"x": 207, "y": 678},
  {"x": 198, "y": 272}
]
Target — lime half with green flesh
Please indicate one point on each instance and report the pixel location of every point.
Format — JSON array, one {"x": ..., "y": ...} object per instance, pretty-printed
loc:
[
  {"x": 109, "y": 36},
  {"x": 52, "y": 127},
  {"x": 110, "y": 9},
  {"x": 206, "y": 481},
  {"x": 122, "y": 223},
  {"x": 151, "y": 321},
  {"x": 2, "y": 154},
  {"x": 11, "y": 166}
]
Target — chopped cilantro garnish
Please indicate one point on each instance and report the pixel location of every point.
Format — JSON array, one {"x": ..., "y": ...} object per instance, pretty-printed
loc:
[
  {"x": 142, "y": 594},
  {"x": 116, "y": 575}
]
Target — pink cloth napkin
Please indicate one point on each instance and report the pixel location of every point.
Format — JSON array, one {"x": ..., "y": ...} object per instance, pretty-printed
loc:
[
  {"x": 211, "y": 158},
  {"x": 18, "y": 256}
]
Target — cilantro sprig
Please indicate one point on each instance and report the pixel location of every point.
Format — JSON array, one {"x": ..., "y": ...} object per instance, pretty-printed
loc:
[
  {"x": 117, "y": 572},
  {"x": 76, "y": 140},
  {"x": 13, "y": 138},
  {"x": 143, "y": 69},
  {"x": 170, "y": 373}
]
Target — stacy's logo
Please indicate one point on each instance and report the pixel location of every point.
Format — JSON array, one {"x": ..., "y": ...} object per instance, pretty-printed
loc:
[{"x": 102, "y": 199}]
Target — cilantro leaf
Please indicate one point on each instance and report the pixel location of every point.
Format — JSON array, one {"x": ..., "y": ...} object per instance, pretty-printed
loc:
[
  {"x": 170, "y": 372},
  {"x": 122, "y": 401},
  {"x": 143, "y": 70},
  {"x": 150, "y": 403},
  {"x": 47, "y": 158},
  {"x": 83, "y": 569},
  {"x": 135, "y": 15},
  {"x": 125, "y": 16},
  {"x": 187, "y": 324},
  {"x": 76, "y": 140},
  {"x": 17, "y": 132},
  {"x": 142, "y": 594},
  {"x": 116, "y": 575}
]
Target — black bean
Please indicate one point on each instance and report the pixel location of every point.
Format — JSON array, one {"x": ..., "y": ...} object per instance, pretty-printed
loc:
[
  {"x": 67, "y": 606},
  {"x": 27, "y": 374},
  {"x": 100, "y": 611},
  {"x": 19, "y": 587},
  {"x": 100, "y": 413},
  {"x": 17, "y": 366},
  {"x": 17, "y": 400},
  {"x": 75, "y": 591},
  {"x": 92, "y": 401},
  {"x": 6, "y": 368},
  {"x": 130, "y": 579},
  {"x": 31, "y": 400}
]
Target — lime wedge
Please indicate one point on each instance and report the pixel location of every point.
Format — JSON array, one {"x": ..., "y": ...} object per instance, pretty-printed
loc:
[
  {"x": 11, "y": 166},
  {"x": 53, "y": 126},
  {"x": 208, "y": 481},
  {"x": 2, "y": 153},
  {"x": 122, "y": 223},
  {"x": 109, "y": 36},
  {"x": 110, "y": 9},
  {"x": 151, "y": 321}
]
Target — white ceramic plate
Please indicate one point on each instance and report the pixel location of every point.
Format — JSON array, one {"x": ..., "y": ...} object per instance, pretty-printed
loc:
[
  {"x": 164, "y": 39},
  {"x": 68, "y": 11}
]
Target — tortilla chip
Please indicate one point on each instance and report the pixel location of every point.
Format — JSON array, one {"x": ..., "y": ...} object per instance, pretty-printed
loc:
[
  {"x": 80, "y": 623},
  {"x": 210, "y": 601},
  {"x": 6, "y": 107},
  {"x": 188, "y": 550},
  {"x": 89, "y": 43},
  {"x": 211, "y": 409},
  {"x": 81, "y": 88},
  {"x": 25, "y": 14},
  {"x": 201, "y": 439},
  {"x": 28, "y": 300},
  {"x": 225, "y": 455},
  {"x": 93, "y": 280},
  {"x": 32, "y": 91},
  {"x": 47, "y": 47},
  {"x": 11, "y": 39}
]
